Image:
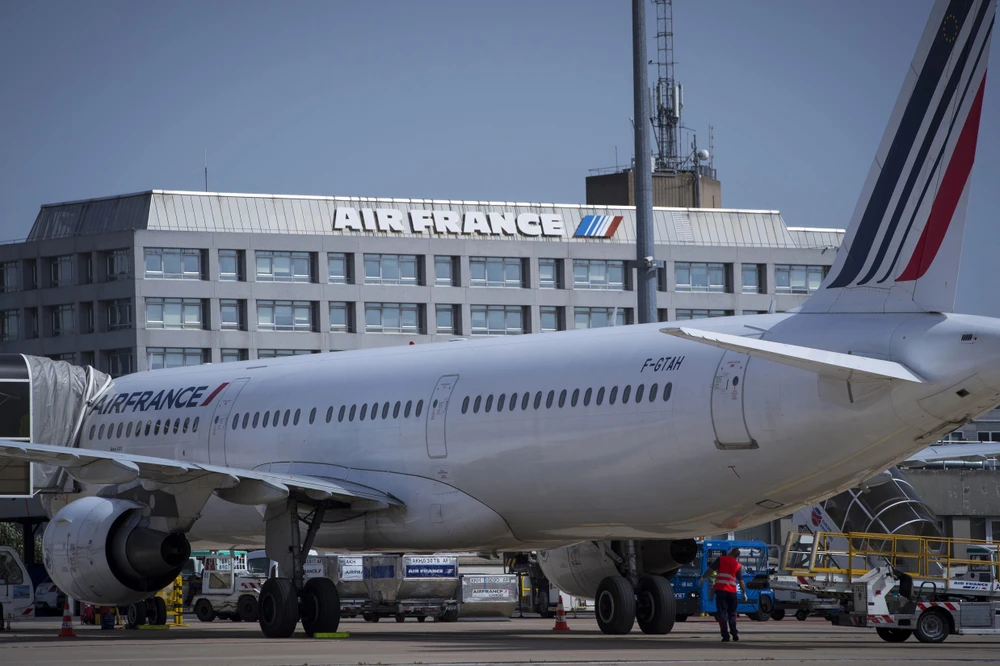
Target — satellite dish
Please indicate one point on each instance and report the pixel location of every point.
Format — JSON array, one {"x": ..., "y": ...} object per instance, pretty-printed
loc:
[{"x": 703, "y": 155}]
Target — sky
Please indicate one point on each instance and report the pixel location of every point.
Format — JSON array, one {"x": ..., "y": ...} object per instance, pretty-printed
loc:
[{"x": 457, "y": 99}]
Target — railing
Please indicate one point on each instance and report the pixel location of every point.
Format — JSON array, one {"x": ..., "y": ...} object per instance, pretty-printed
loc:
[{"x": 851, "y": 554}]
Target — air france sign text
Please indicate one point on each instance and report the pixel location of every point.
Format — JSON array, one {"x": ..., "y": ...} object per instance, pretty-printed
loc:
[{"x": 448, "y": 222}]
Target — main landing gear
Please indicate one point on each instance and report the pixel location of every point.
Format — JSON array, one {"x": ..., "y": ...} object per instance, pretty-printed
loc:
[
  {"x": 283, "y": 602},
  {"x": 623, "y": 600}
]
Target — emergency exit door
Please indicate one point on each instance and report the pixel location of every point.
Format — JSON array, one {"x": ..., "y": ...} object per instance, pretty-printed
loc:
[
  {"x": 437, "y": 413},
  {"x": 217, "y": 433},
  {"x": 727, "y": 403}
]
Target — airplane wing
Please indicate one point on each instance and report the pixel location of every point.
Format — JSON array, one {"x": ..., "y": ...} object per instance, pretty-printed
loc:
[
  {"x": 239, "y": 486},
  {"x": 980, "y": 451},
  {"x": 831, "y": 364}
]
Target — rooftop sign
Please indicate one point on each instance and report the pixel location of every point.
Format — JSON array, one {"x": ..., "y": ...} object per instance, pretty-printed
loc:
[{"x": 440, "y": 222}]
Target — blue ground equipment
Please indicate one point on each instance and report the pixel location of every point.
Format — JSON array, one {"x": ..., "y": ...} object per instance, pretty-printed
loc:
[{"x": 694, "y": 599}]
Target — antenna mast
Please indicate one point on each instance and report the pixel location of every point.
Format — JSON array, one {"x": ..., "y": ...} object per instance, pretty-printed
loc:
[{"x": 668, "y": 95}]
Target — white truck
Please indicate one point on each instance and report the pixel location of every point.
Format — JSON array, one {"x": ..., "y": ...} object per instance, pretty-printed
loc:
[
  {"x": 227, "y": 589},
  {"x": 17, "y": 594}
]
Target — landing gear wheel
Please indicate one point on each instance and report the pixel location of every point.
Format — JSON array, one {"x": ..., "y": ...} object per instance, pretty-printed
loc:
[
  {"x": 655, "y": 605},
  {"x": 203, "y": 609},
  {"x": 801, "y": 615},
  {"x": 278, "y": 608},
  {"x": 932, "y": 627},
  {"x": 246, "y": 608},
  {"x": 135, "y": 614},
  {"x": 157, "y": 611},
  {"x": 778, "y": 614},
  {"x": 615, "y": 605},
  {"x": 319, "y": 605},
  {"x": 400, "y": 617},
  {"x": 892, "y": 635}
]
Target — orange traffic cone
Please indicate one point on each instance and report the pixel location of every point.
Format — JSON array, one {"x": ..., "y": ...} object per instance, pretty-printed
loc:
[
  {"x": 67, "y": 624},
  {"x": 560, "y": 617}
]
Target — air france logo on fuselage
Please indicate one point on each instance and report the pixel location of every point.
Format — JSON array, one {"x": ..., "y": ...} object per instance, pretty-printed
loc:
[
  {"x": 142, "y": 401},
  {"x": 598, "y": 226}
]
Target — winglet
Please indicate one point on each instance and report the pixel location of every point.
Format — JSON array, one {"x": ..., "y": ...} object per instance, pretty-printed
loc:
[{"x": 820, "y": 361}]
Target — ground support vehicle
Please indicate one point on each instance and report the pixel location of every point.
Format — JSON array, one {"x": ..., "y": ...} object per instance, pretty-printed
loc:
[
  {"x": 226, "y": 589},
  {"x": 696, "y": 599},
  {"x": 410, "y": 586},
  {"x": 799, "y": 604},
  {"x": 17, "y": 594},
  {"x": 49, "y": 599}
]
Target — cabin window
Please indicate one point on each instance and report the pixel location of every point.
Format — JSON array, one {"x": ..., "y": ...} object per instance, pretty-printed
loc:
[
  {"x": 525, "y": 399},
  {"x": 364, "y": 412},
  {"x": 128, "y": 430},
  {"x": 256, "y": 419},
  {"x": 275, "y": 418},
  {"x": 166, "y": 427},
  {"x": 295, "y": 421},
  {"x": 652, "y": 392},
  {"x": 246, "y": 420},
  {"x": 562, "y": 398},
  {"x": 374, "y": 410},
  {"x": 194, "y": 427},
  {"x": 118, "y": 433},
  {"x": 489, "y": 403},
  {"x": 500, "y": 401},
  {"x": 350, "y": 417},
  {"x": 340, "y": 415},
  {"x": 667, "y": 390},
  {"x": 329, "y": 414},
  {"x": 288, "y": 415},
  {"x": 420, "y": 407},
  {"x": 187, "y": 422},
  {"x": 149, "y": 424},
  {"x": 267, "y": 417},
  {"x": 626, "y": 394},
  {"x": 385, "y": 411},
  {"x": 513, "y": 401},
  {"x": 639, "y": 390},
  {"x": 475, "y": 407},
  {"x": 600, "y": 396},
  {"x": 575, "y": 398},
  {"x": 312, "y": 415},
  {"x": 406, "y": 411},
  {"x": 613, "y": 396},
  {"x": 548, "y": 400},
  {"x": 156, "y": 428},
  {"x": 538, "y": 399},
  {"x": 92, "y": 429},
  {"x": 100, "y": 433},
  {"x": 586, "y": 397},
  {"x": 395, "y": 409},
  {"x": 177, "y": 423}
]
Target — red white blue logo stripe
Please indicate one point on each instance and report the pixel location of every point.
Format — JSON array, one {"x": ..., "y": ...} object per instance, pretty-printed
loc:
[{"x": 598, "y": 226}]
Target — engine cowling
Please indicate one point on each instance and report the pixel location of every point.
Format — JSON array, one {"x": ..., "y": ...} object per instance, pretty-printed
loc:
[
  {"x": 579, "y": 569},
  {"x": 99, "y": 550}
]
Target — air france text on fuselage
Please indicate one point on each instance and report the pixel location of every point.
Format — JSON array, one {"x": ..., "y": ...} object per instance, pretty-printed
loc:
[
  {"x": 141, "y": 401},
  {"x": 392, "y": 220}
]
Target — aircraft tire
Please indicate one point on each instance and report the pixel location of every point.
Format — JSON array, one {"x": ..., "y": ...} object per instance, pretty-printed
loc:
[
  {"x": 319, "y": 605},
  {"x": 157, "y": 611},
  {"x": 135, "y": 614},
  {"x": 778, "y": 614},
  {"x": 615, "y": 606},
  {"x": 801, "y": 615},
  {"x": 278, "y": 608},
  {"x": 932, "y": 626},
  {"x": 655, "y": 606}
]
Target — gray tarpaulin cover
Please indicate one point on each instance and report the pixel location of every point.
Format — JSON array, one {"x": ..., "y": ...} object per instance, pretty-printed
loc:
[{"x": 59, "y": 394}]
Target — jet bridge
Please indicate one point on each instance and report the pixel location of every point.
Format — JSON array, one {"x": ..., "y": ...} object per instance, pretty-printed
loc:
[{"x": 42, "y": 401}]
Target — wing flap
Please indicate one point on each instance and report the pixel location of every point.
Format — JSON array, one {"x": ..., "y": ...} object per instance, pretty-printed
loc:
[
  {"x": 239, "y": 486},
  {"x": 820, "y": 361}
]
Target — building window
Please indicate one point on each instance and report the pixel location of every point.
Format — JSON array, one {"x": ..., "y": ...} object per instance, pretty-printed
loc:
[
  {"x": 754, "y": 312},
  {"x": 274, "y": 266},
  {"x": 550, "y": 274},
  {"x": 231, "y": 264},
  {"x": 392, "y": 318},
  {"x": 988, "y": 436},
  {"x": 30, "y": 323},
  {"x": 232, "y": 314},
  {"x": 62, "y": 319},
  {"x": 341, "y": 317},
  {"x": 598, "y": 274},
  {"x": 685, "y": 314},
  {"x": 29, "y": 274},
  {"x": 497, "y": 319},
  {"x": 173, "y": 264},
  {"x": 86, "y": 317},
  {"x": 339, "y": 268},
  {"x": 85, "y": 268},
  {"x": 87, "y": 358},
  {"x": 118, "y": 264},
  {"x": 280, "y": 353},
  {"x": 61, "y": 271},
  {"x": 447, "y": 319},
  {"x": 551, "y": 318},
  {"x": 496, "y": 272},
  {"x": 174, "y": 313},
  {"x": 753, "y": 279},
  {"x": 8, "y": 277},
  {"x": 234, "y": 355},
  {"x": 691, "y": 276},
  {"x": 119, "y": 362},
  {"x": 391, "y": 269},
  {"x": 10, "y": 328},
  {"x": 446, "y": 271},
  {"x": 174, "y": 357},
  {"x": 284, "y": 316},
  {"x": 119, "y": 314},
  {"x": 69, "y": 357},
  {"x": 601, "y": 317},
  {"x": 797, "y": 279}
]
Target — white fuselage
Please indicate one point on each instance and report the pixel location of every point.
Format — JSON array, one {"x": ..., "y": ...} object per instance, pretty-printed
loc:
[{"x": 717, "y": 455}]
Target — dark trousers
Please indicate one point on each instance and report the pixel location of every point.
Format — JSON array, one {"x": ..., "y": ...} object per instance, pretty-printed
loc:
[{"x": 725, "y": 602}]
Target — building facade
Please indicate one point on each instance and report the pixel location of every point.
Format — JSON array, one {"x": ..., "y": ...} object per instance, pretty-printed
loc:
[{"x": 161, "y": 279}]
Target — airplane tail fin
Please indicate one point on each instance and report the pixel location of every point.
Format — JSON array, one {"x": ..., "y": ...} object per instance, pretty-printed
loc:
[{"x": 902, "y": 249}]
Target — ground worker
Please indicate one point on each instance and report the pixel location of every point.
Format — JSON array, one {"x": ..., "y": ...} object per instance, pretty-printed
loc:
[{"x": 728, "y": 574}]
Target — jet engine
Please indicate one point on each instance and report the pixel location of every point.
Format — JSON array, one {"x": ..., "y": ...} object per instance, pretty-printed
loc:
[
  {"x": 579, "y": 569},
  {"x": 101, "y": 551}
]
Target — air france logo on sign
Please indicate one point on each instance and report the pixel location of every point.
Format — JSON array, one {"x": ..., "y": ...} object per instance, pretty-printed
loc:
[{"x": 598, "y": 226}]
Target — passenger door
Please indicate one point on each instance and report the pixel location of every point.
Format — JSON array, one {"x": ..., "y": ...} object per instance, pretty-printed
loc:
[
  {"x": 437, "y": 412},
  {"x": 217, "y": 434},
  {"x": 727, "y": 403}
]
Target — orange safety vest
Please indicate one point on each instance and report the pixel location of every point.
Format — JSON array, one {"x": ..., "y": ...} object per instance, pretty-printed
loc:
[{"x": 725, "y": 579}]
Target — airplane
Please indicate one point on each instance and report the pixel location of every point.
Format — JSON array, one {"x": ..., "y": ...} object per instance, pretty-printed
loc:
[{"x": 588, "y": 445}]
